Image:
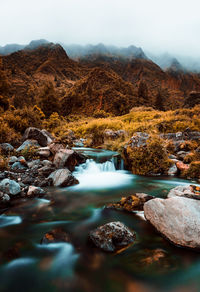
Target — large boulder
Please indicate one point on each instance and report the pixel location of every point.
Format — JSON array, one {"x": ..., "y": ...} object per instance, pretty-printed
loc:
[
  {"x": 67, "y": 158},
  {"x": 62, "y": 178},
  {"x": 10, "y": 187},
  {"x": 42, "y": 136},
  {"x": 177, "y": 219},
  {"x": 112, "y": 236},
  {"x": 188, "y": 191},
  {"x": 27, "y": 144}
]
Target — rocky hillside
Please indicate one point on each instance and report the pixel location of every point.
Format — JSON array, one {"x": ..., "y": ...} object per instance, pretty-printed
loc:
[{"x": 96, "y": 82}]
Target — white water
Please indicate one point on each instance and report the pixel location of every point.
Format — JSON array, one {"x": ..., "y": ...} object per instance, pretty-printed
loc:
[
  {"x": 93, "y": 175},
  {"x": 9, "y": 220}
]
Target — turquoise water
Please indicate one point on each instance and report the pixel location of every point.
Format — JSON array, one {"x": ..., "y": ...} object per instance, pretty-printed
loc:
[{"x": 150, "y": 264}]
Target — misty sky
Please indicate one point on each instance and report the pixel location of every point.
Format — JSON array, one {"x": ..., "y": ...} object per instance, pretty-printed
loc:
[{"x": 155, "y": 25}]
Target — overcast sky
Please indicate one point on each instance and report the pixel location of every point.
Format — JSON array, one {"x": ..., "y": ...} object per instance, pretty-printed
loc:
[{"x": 155, "y": 25}]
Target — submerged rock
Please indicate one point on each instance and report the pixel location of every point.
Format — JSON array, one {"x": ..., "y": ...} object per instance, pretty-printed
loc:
[
  {"x": 63, "y": 178},
  {"x": 131, "y": 203},
  {"x": 42, "y": 136},
  {"x": 112, "y": 236},
  {"x": 4, "y": 198},
  {"x": 176, "y": 218},
  {"x": 55, "y": 235},
  {"x": 10, "y": 187}
]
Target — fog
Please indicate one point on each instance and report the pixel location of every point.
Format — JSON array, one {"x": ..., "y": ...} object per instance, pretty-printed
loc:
[{"x": 158, "y": 26}]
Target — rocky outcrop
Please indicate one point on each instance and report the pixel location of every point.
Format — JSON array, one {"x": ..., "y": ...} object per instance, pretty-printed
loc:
[
  {"x": 113, "y": 135},
  {"x": 62, "y": 178},
  {"x": 42, "y": 136},
  {"x": 176, "y": 218},
  {"x": 112, "y": 236},
  {"x": 131, "y": 203}
]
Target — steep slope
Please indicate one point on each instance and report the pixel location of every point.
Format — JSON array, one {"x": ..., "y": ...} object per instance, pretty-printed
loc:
[{"x": 100, "y": 90}]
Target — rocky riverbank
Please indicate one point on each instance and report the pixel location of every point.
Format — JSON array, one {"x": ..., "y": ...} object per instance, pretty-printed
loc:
[{"x": 37, "y": 163}]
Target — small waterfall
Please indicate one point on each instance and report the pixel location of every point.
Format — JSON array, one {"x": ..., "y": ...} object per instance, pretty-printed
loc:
[{"x": 109, "y": 173}]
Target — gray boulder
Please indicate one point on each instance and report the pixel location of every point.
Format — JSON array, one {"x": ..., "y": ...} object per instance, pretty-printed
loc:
[
  {"x": 187, "y": 191},
  {"x": 42, "y": 136},
  {"x": 112, "y": 236},
  {"x": 10, "y": 187},
  {"x": 67, "y": 158},
  {"x": 27, "y": 144},
  {"x": 62, "y": 178},
  {"x": 177, "y": 219}
]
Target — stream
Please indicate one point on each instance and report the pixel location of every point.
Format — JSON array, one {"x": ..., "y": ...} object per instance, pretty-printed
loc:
[{"x": 151, "y": 264}]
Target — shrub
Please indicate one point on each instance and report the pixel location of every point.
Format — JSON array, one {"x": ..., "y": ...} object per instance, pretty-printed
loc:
[
  {"x": 194, "y": 170},
  {"x": 7, "y": 134},
  {"x": 100, "y": 114},
  {"x": 149, "y": 159}
]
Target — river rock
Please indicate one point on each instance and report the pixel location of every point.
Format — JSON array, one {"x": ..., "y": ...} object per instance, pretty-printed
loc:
[
  {"x": 188, "y": 191},
  {"x": 42, "y": 136},
  {"x": 55, "y": 235},
  {"x": 67, "y": 158},
  {"x": 131, "y": 203},
  {"x": 10, "y": 187},
  {"x": 27, "y": 144},
  {"x": 18, "y": 166},
  {"x": 173, "y": 170},
  {"x": 112, "y": 236},
  {"x": 34, "y": 163},
  {"x": 6, "y": 148},
  {"x": 63, "y": 178},
  {"x": 35, "y": 191},
  {"x": 176, "y": 218},
  {"x": 4, "y": 198},
  {"x": 44, "y": 152},
  {"x": 55, "y": 147},
  {"x": 12, "y": 160}
]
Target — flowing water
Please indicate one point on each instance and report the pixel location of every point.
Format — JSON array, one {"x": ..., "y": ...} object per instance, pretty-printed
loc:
[{"x": 150, "y": 264}]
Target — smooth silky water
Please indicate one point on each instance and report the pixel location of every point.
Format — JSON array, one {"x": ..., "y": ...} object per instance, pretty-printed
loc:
[{"x": 150, "y": 264}]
